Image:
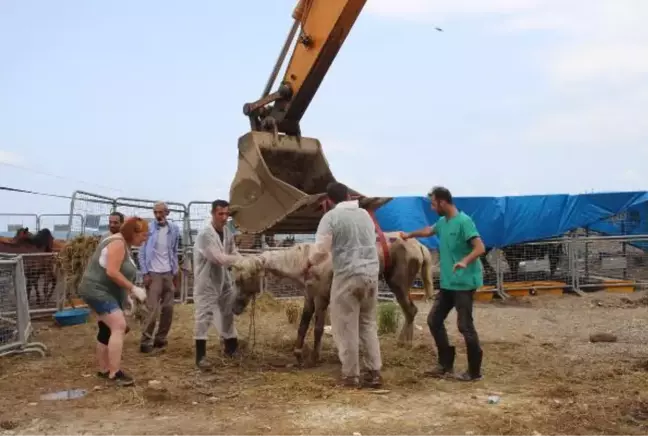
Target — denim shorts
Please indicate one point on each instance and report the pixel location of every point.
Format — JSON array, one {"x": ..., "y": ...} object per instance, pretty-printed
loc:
[{"x": 102, "y": 307}]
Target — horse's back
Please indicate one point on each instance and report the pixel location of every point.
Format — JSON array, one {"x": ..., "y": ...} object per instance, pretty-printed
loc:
[{"x": 14, "y": 248}]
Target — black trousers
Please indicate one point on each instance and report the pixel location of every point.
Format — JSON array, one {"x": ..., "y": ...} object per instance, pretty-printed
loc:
[{"x": 444, "y": 302}]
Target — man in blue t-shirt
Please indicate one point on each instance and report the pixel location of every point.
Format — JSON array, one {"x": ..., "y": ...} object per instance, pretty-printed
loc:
[{"x": 461, "y": 275}]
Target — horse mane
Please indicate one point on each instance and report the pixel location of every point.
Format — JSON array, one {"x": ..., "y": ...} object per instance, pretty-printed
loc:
[
  {"x": 286, "y": 262},
  {"x": 43, "y": 239}
]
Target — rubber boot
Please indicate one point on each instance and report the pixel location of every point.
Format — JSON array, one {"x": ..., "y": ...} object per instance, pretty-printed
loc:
[
  {"x": 231, "y": 345},
  {"x": 201, "y": 351}
]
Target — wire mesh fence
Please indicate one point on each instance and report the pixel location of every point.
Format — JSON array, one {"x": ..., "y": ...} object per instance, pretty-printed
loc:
[
  {"x": 15, "y": 324},
  {"x": 94, "y": 210},
  {"x": 612, "y": 263}
]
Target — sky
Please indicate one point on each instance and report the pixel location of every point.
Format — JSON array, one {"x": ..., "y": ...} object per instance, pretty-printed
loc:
[{"x": 144, "y": 99}]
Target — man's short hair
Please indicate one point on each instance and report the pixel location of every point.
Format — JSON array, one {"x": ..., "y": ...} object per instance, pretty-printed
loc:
[
  {"x": 219, "y": 203},
  {"x": 337, "y": 192},
  {"x": 440, "y": 193},
  {"x": 120, "y": 215}
]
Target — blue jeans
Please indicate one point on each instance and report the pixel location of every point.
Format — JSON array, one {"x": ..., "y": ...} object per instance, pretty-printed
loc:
[{"x": 102, "y": 307}]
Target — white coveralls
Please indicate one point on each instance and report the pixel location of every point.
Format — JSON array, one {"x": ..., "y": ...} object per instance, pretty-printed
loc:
[
  {"x": 348, "y": 232},
  {"x": 213, "y": 286}
]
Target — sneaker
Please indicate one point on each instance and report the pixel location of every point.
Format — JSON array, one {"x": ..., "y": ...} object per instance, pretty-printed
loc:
[
  {"x": 349, "y": 382},
  {"x": 438, "y": 372},
  {"x": 372, "y": 379},
  {"x": 122, "y": 379},
  {"x": 466, "y": 376},
  {"x": 146, "y": 349}
]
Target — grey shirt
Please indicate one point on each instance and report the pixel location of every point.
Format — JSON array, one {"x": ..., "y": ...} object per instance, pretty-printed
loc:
[{"x": 95, "y": 283}]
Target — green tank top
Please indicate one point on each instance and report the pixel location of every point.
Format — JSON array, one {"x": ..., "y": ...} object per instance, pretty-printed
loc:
[{"x": 96, "y": 284}]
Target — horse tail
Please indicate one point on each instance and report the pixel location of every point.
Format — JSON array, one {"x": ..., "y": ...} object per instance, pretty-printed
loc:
[{"x": 426, "y": 271}]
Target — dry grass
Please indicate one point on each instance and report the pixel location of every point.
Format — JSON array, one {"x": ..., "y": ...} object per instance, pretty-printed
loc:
[
  {"x": 537, "y": 357},
  {"x": 73, "y": 259}
]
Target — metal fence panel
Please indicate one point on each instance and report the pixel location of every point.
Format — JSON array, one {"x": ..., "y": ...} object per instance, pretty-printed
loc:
[
  {"x": 11, "y": 222},
  {"x": 577, "y": 263},
  {"x": 94, "y": 210},
  {"x": 144, "y": 209},
  {"x": 45, "y": 289},
  {"x": 61, "y": 224},
  {"x": 197, "y": 214},
  {"x": 610, "y": 262},
  {"x": 15, "y": 324},
  {"x": 186, "y": 275}
]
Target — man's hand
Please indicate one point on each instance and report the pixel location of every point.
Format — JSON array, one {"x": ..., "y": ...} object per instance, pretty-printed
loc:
[
  {"x": 176, "y": 280},
  {"x": 147, "y": 280},
  {"x": 459, "y": 265},
  {"x": 404, "y": 236}
]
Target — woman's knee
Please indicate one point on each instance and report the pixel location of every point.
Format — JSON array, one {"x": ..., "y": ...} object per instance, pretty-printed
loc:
[{"x": 116, "y": 322}]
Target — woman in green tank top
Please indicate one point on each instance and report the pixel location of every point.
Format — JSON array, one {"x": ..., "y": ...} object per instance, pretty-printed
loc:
[{"x": 110, "y": 272}]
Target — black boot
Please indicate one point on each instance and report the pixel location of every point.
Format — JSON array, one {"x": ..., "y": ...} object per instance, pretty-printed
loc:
[
  {"x": 201, "y": 352},
  {"x": 445, "y": 363},
  {"x": 231, "y": 345},
  {"x": 474, "y": 365}
]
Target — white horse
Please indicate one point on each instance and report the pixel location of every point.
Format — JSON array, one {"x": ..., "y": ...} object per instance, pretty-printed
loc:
[{"x": 407, "y": 260}]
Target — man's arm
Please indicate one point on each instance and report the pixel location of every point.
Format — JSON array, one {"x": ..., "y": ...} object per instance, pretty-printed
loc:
[
  {"x": 472, "y": 236},
  {"x": 209, "y": 248},
  {"x": 141, "y": 256},
  {"x": 323, "y": 241},
  {"x": 420, "y": 233}
]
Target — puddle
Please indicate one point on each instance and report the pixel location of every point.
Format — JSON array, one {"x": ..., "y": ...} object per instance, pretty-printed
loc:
[{"x": 69, "y": 394}]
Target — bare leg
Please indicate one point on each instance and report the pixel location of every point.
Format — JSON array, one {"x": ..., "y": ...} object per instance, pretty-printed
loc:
[
  {"x": 102, "y": 357},
  {"x": 304, "y": 323},
  {"x": 117, "y": 324}
]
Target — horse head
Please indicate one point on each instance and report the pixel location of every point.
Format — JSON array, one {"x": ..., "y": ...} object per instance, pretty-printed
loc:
[
  {"x": 249, "y": 271},
  {"x": 22, "y": 235},
  {"x": 247, "y": 274},
  {"x": 44, "y": 240}
]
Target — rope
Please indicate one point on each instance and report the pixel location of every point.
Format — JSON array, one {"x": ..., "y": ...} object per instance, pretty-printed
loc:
[
  {"x": 252, "y": 326},
  {"x": 26, "y": 191}
]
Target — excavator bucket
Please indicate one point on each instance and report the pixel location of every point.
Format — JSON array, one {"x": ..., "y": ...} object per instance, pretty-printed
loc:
[{"x": 280, "y": 184}]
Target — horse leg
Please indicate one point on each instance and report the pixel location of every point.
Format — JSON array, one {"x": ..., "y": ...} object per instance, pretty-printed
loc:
[
  {"x": 50, "y": 286},
  {"x": 400, "y": 289},
  {"x": 304, "y": 323},
  {"x": 321, "y": 304}
]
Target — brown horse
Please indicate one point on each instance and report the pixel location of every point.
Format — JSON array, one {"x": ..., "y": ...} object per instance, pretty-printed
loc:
[
  {"x": 35, "y": 264},
  {"x": 408, "y": 259}
]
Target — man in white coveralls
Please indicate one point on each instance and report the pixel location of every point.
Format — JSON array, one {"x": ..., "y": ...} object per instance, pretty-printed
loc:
[{"x": 214, "y": 294}]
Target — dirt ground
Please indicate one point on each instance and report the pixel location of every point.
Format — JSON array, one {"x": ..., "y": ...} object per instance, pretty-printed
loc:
[{"x": 537, "y": 358}]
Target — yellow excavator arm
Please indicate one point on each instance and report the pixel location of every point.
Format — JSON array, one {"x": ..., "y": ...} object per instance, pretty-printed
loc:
[
  {"x": 282, "y": 176},
  {"x": 322, "y": 26}
]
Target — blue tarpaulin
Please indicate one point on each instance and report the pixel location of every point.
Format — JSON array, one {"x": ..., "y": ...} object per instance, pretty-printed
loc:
[{"x": 504, "y": 221}]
